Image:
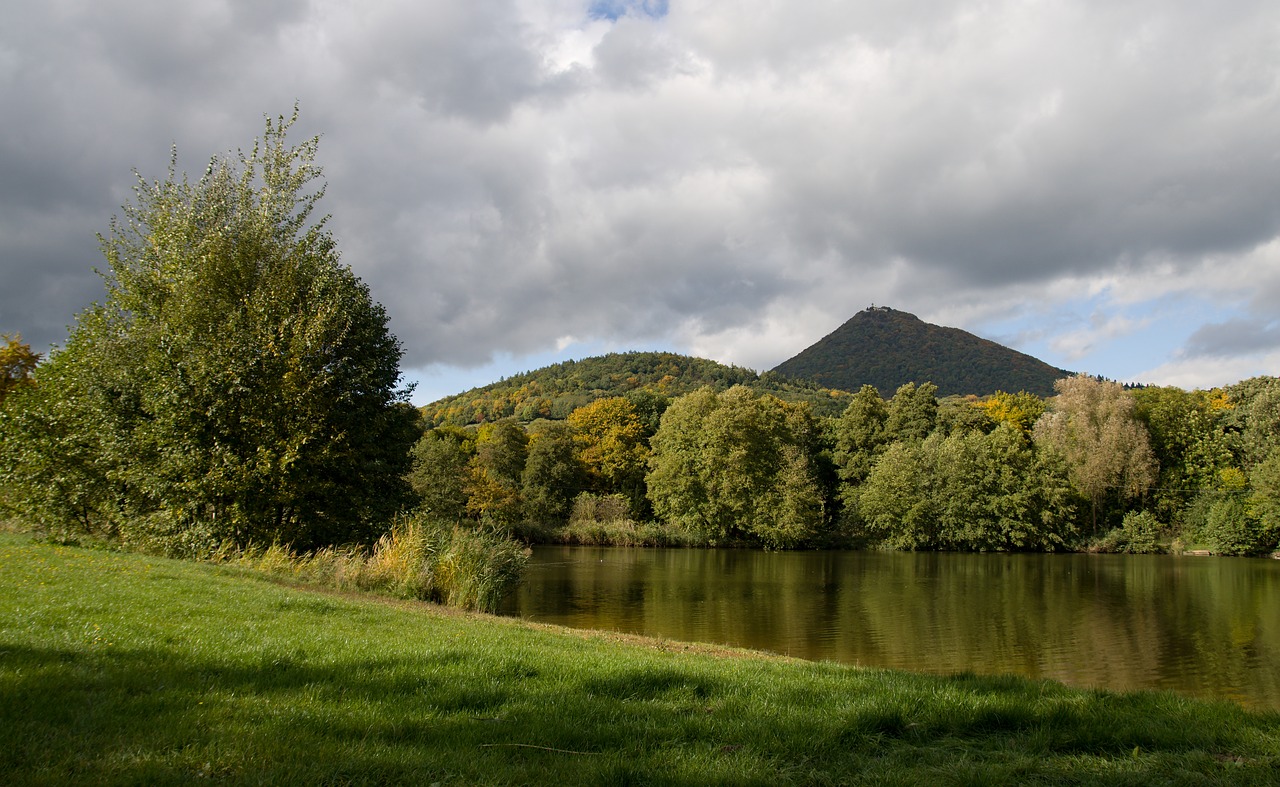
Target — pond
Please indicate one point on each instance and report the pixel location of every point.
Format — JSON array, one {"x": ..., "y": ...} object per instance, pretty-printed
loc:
[{"x": 1206, "y": 627}]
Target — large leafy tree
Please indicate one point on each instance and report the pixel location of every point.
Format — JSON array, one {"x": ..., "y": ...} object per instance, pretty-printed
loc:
[
  {"x": 1091, "y": 424},
  {"x": 736, "y": 466},
  {"x": 610, "y": 436},
  {"x": 553, "y": 474},
  {"x": 1188, "y": 440},
  {"x": 496, "y": 475},
  {"x": 968, "y": 491},
  {"x": 238, "y": 382},
  {"x": 440, "y": 475},
  {"x": 912, "y": 413}
]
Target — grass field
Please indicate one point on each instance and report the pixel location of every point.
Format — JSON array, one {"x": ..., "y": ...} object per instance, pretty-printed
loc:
[{"x": 120, "y": 668}]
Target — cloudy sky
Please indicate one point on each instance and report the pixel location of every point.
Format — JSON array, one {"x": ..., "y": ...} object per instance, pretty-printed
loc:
[{"x": 523, "y": 181}]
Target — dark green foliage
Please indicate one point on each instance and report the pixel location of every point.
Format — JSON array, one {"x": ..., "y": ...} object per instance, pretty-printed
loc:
[
  {"x": 887, "y": 349},
  {"x": 238, "y": 382},
  {"x": 553, "y": 474},
  {"x": 1138, "y": 534},
  {"x": 439, "y": 472},
  {"x": 912, "y": 412},
  {"x": 968, "y": 491},
  {"x": 734, "y": 466},
  {"x": 648, "y": 379}
]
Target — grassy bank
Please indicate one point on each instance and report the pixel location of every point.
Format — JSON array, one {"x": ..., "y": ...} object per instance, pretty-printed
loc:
[{"x": 130, "y": 669}]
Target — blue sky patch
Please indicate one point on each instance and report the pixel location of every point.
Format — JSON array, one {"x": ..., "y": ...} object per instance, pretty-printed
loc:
[{"x": 615, "y": 9}]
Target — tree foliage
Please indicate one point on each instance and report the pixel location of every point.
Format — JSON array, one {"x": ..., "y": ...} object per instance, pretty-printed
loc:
[
  {"x": 553, "y": 474},
  {"x": 969, "y": 490},
  {"x": 1091, "y": 424},
  {"x": 610, "y": 437},
  {"x": 238, "y": 382},
  {"x": 736, "y": 466}
]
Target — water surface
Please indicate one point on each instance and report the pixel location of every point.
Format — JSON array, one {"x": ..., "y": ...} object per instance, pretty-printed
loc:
[{"x": 1207, "y": 627}]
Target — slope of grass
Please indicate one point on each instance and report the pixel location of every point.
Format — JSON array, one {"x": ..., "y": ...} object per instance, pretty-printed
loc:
[{"x": 121, "y": 668}]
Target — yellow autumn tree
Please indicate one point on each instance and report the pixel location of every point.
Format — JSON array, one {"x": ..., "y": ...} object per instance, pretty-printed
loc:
[
  {"x": 610, "y": 438},
  {"x": 17, "y": 364}
]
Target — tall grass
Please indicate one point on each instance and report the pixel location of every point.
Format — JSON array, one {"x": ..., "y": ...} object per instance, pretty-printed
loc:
[{"x": 418, "y": 558}]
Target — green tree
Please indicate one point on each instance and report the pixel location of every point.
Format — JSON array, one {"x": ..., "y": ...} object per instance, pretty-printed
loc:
[
  {"x": 968, "y": 490},
  {"x": 495, "y": 476},
  {"x": 238, "y": 381},
  {"x": 912, "y": 412},
  {"x": 1188, "y": 441},
  {"x": 439, "y": 472},
  {"x": 860, "y": 435},
  {"x": 1092, "y": 426},
  {"x": 898, "y": 503},
  {"x": 1255, "y": 419},
  {"x": 734, "y": 466},
  {"x": 553, "y": 474},
  {"x": 1265, "y": 502}
]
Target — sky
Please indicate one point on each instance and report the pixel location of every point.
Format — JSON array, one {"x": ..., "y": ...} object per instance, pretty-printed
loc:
[{"x": 1093, "y": 183}]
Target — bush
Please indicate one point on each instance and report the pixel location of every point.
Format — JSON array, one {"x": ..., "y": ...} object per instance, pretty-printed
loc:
[
  {"x": 1137, "y": 535},
  {"x": 1233, "y": 528}
]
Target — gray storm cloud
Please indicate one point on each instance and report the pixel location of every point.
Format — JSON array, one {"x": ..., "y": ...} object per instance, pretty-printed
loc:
[{"x": 504, "y": 174}]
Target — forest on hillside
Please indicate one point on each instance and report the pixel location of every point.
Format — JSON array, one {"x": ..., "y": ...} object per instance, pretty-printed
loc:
[
  {"x": 556, "y": 391},
  {"x": 887, "y": 348}
]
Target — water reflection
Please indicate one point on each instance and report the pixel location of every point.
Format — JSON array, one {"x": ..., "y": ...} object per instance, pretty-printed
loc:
[{"x": 1203, "y": 626}]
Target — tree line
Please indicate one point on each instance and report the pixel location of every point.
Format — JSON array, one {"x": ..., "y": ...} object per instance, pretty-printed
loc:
[{"x": 1094, "y": 466}]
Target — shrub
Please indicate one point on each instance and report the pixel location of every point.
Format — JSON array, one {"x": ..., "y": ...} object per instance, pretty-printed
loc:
[
  {"x": 1232, "y": 527},
  {"x": 1137, "y": 535}
]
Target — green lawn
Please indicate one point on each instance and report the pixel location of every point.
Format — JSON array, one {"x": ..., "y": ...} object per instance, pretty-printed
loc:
[{"x": 120, "y": 668}]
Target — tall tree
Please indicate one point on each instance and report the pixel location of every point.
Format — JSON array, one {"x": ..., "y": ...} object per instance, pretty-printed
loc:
[
  {"x": 611, "y": 436},
  {"x": 1188, "y": 441},
  {"x": 912, "y": 412},
  {"x": 496, "y": 474},
  {"x": 238, "y": 381},
  {"x": 439, "y": 473},
  {"x": 1091, "y": 424},
  {"x": 734, "y": 466},
  {"x": 553, "y": 474},
  {"x": 860, "y": 435}
]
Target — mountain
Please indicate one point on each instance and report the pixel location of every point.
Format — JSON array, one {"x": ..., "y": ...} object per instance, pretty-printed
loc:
[
  {"x": 887, "y": 348},
  {"x": 557, "y": 390}
]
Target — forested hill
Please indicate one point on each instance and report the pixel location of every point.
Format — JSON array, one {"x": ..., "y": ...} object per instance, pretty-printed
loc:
[
  {"x": 887, "y": 348},
  {"x": 555, "y": 391}
]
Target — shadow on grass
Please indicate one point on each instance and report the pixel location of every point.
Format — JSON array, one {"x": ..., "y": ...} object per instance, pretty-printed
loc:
[{"x": 448, "y": 715}]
